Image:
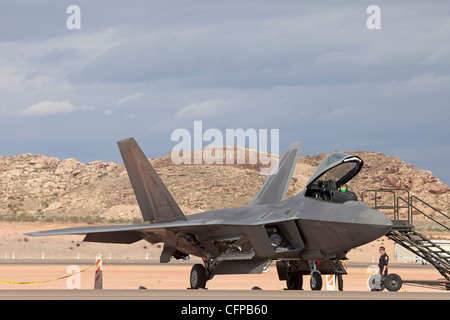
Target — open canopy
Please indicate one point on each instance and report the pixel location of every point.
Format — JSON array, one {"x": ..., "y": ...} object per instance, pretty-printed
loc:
[{"x": 338, "y": 167}]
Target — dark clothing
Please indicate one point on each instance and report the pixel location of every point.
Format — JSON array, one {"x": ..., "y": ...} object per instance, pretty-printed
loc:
[
  {"x": 384, "y": 260},
  {"x": 340, "y": 282},
  {"x": 342, "y": 197}
]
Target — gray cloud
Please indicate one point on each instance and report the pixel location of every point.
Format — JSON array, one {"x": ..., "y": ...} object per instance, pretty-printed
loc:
[
  {"x": 314, "y": 71},
  {"x": 47, "y": 107}
]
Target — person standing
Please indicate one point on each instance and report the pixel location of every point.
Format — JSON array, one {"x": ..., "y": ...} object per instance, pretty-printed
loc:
[
  {"x": 383, "y": 262},
  {"x": 340, "y": 281}
]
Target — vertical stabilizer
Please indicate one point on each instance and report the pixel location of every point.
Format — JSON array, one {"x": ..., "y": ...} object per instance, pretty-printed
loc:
[
  {"x": 155, "y": 201},
  {"x": 276, "y": 185}
]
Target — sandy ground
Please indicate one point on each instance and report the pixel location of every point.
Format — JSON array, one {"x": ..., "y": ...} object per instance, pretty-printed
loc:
[
  {"x": 177, "y": 277},
  {"x": 172, "y": 276},
  {"x": 13, "y": 243}
]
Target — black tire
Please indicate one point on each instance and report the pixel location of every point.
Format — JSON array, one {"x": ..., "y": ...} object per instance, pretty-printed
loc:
[
  {"x": 393, "y": 282},
  {"x": 198, "y": 277},
  {"x": 294, "y": 281},
  {"x": 316, "y": 280}
]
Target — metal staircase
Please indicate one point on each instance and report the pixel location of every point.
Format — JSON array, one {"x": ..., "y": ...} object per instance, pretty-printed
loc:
[{"x": 403, "y": 232}]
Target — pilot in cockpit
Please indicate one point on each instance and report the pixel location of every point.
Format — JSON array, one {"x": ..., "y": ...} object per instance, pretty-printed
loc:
[
  {"x": 329, "y": 180},
  {"x": 343, "y": 195}
]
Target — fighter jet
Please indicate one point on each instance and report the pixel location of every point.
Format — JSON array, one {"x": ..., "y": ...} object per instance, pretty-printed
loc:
[{"x": 307, "y": 234}]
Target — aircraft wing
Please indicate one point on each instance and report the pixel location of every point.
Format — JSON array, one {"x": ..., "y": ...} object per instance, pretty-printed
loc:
[
  {"x": 194, "y": 235},
  {"x": 173, "y": 234},
  {"x": 275, "y": 188},
  {"x": 114, "y": 234},
  {"x": 127, "y": 234}
]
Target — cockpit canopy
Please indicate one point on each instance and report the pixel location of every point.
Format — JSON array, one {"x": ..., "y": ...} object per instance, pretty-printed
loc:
[{"x": 338, "y": 168}]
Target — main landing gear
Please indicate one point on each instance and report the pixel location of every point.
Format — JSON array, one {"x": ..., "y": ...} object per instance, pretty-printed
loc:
[
  {"x": 294, "y": 277},
  {"x": 198, "y": 277},
  {"x": 294, "y": 281},
  {"x": 286, "y": 271}
]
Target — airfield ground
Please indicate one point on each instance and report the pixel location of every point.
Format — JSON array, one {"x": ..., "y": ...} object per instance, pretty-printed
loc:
[
  {"x": 132, "y": 266},
  {"x": 176, "y": 276}
]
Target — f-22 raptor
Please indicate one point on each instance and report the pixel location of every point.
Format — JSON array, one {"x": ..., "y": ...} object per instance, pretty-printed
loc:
[{"x": 307, "y": 234}]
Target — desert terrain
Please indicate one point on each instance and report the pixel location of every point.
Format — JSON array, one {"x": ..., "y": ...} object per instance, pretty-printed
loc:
[
  {"x": 176, "y": 276},
  {"x": 40, "y": 188}
]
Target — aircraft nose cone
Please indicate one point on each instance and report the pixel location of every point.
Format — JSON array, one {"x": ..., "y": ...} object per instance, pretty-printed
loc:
[
  {"x": 378, "y": 223},
  {"x": 379, "y": 218}
]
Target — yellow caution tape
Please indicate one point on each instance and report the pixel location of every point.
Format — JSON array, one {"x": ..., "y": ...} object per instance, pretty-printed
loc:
[
  {"x": 43, "y": 281},
  {"x": 109, "y": 264},
  {"x": 366, "y": 271}
]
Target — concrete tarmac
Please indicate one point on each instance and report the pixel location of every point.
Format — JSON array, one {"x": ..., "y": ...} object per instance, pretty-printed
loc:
[
  {"x": 229, "y": 295},
  {"x": 121, "y": 280}
]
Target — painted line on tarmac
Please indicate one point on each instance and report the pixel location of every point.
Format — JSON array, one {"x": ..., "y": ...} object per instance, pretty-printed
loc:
[{"x": 244, "y": 295}]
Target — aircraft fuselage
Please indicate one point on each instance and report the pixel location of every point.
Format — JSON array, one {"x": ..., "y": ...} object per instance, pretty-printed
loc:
[{"x": 299, "y": 228}]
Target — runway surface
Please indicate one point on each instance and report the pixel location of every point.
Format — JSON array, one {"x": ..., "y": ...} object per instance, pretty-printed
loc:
[
  {"x": 229, "y": 295},
  {"x": 121, "y": 280}
]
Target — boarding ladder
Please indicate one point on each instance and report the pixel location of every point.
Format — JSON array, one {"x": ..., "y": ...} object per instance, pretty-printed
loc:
[{"x": 405, "y": 207}]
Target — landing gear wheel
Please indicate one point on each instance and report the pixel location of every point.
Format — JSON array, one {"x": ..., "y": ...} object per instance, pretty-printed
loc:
[
  {"x": 294, "y": 281},
  {"x": 198, "y": 277},
  {"x": 316, "y": 280},
  {"x": 375, "y": 282},
  {"x": 393, "y": 282}
]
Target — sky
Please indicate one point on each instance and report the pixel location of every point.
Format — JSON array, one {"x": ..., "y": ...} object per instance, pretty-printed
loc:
[{"x": 311, "y": 69}]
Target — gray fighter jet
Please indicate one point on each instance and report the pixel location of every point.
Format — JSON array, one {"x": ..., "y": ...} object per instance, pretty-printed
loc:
[{"x": 307, "y": 234}]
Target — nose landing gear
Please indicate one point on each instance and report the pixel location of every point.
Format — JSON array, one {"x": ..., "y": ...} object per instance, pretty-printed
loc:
[
  {"x": 316, "y": 276},
  {"x": 293, "y": 273},
  {"x": 316, "y": 280}
]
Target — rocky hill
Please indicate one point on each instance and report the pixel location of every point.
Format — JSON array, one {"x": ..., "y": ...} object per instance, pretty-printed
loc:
[{"x": 36, "y": 187}]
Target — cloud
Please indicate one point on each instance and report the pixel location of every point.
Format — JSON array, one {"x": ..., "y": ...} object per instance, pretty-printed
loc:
[
  {"x": 47, "y": 107},
  {"x": 309, "y": 70},
  {"x": 204, "y": 109},
  {"x": 130, "y": 97}
]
